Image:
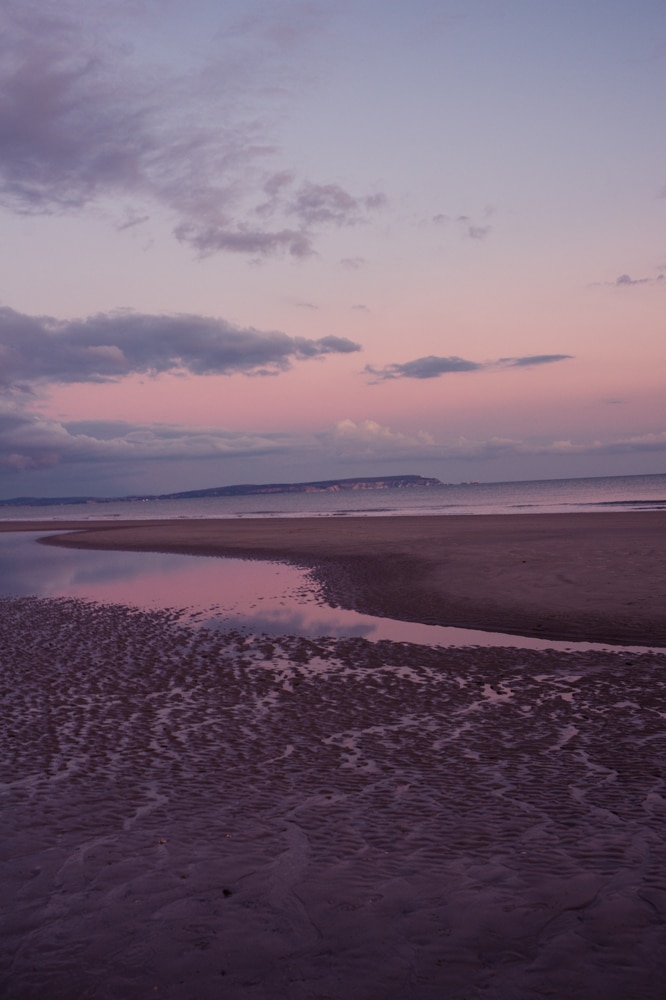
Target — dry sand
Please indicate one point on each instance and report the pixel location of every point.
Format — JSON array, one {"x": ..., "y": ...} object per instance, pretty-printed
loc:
[
  {"x": 193, "y": 815},
  {"x": 594, "y": 577},
  {"x": 189, "y": 814}
]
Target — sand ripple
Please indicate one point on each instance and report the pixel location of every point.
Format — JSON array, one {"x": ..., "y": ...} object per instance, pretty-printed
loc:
[{"x": 196, "y": 814}]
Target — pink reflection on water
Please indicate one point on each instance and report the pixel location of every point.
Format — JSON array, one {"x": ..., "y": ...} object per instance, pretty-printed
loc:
[
  {"x": 198, "y": 582},
  {"x": 248, "y": 595}
]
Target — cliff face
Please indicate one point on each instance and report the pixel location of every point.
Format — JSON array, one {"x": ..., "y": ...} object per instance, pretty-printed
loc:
[
  {"x": 321, "y": 486},
  {"x": 247, "y": 489}
]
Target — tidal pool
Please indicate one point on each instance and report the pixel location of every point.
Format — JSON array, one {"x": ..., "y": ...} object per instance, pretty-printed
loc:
[{"x": 250, "y": 596}]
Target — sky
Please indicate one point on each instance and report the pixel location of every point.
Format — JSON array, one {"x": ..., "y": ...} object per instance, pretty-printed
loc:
[{"x": 249, "y": 242}]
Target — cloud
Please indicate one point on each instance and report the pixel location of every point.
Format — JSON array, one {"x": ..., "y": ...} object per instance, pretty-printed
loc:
[
  {"x": 471, "y": 229},
  {"x": 626, "y": 281},
  {"x": 467, "y": 227},
  {"x": 433, "y": 366},
  {"x": 498, "y": 447},
  {"x": 83, "y": 122},
  {"x": 30, "y": 441},
  {"x": 329, "y": 203},
  {"x": 534, "y": 359},
  {"x": 367, "y": 438},
  {"x": 110, "y": 346},
  {"x": 207, "y": 240},
  {"x": 429, "y": 367}
]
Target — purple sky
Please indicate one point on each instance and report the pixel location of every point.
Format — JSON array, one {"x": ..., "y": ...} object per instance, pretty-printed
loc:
[{"x": 245, "y": 242}]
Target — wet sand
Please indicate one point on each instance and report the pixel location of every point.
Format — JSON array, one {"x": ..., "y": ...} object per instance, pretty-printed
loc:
[
  {"x": 187, "y": 814},
  {"x": 193, "y": 814},
  {"x": 589, "y": 577}
]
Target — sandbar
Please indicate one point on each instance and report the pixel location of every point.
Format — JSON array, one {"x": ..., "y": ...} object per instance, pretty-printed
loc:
[{"x": 579, "y": 576}]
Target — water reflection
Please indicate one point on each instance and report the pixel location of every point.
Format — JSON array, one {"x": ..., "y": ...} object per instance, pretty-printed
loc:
[{"x": 249, "y": 596}]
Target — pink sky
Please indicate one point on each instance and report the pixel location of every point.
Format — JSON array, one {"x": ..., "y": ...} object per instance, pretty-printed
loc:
[{"x": 459, "y": 245}]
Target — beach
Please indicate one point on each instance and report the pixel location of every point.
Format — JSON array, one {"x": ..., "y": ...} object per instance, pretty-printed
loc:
[
  {"x": 190, "y": 813},
  {"x": 587, "y": 577}
]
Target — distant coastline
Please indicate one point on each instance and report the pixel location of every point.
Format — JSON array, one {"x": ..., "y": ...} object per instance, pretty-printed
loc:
[{"x": 244, "y": 489}]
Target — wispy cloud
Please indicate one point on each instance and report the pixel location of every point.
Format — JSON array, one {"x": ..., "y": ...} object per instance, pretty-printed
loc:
[
  {"x": 110, "y": 346},
  {"x": 81, "y": 122},
  {"x": 368, "y": 439},
  {"x": 498, "y": 447},
  {"x": 624, "y": 281},
  {"x": 429, "y": 367},
  {"x": 467, "y": 226},
  {"x": 314, "y": 204},
  {"x": 530, "y": 360},
  {"x": 434, "y": 366}
]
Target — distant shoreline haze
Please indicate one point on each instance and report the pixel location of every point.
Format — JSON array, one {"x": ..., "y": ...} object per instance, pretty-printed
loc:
[{"x": 246, "y": 489}]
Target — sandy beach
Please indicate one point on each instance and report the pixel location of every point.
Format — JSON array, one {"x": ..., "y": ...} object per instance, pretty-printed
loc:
[
  {"x": 588, "y": 577},
  {"x": 189, "y": 814},
  {"x": 199, "y": 814}
]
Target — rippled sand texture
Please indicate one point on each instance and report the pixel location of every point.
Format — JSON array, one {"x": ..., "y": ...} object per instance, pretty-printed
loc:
[{"x": 189, "y": 814}]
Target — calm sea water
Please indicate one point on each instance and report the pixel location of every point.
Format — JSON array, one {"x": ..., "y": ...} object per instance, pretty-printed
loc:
[{"x": 539, "y": 496}]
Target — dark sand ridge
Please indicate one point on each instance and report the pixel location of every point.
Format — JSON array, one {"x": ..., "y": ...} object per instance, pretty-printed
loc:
[{"x": 590, "y": 576}]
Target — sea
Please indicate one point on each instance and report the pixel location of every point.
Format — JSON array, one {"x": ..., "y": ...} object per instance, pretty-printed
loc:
[
  {"x": 608, "y": 493},
  {"x": 258, "y": 598}
]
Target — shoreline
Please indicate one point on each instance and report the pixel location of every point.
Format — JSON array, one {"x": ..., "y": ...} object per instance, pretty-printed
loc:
[{"x": 598, "y": 577}]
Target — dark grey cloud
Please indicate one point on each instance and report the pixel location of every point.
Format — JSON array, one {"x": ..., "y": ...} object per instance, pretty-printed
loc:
[
  {"x": 111, "y": 346},
  {"x": 82, "y": 122},
  {"x": 433, "y": 366},
  {"x": 624, "y": 281},
  {"x": 534, "y": 359},
  {"x": 429, "y": 367}
]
